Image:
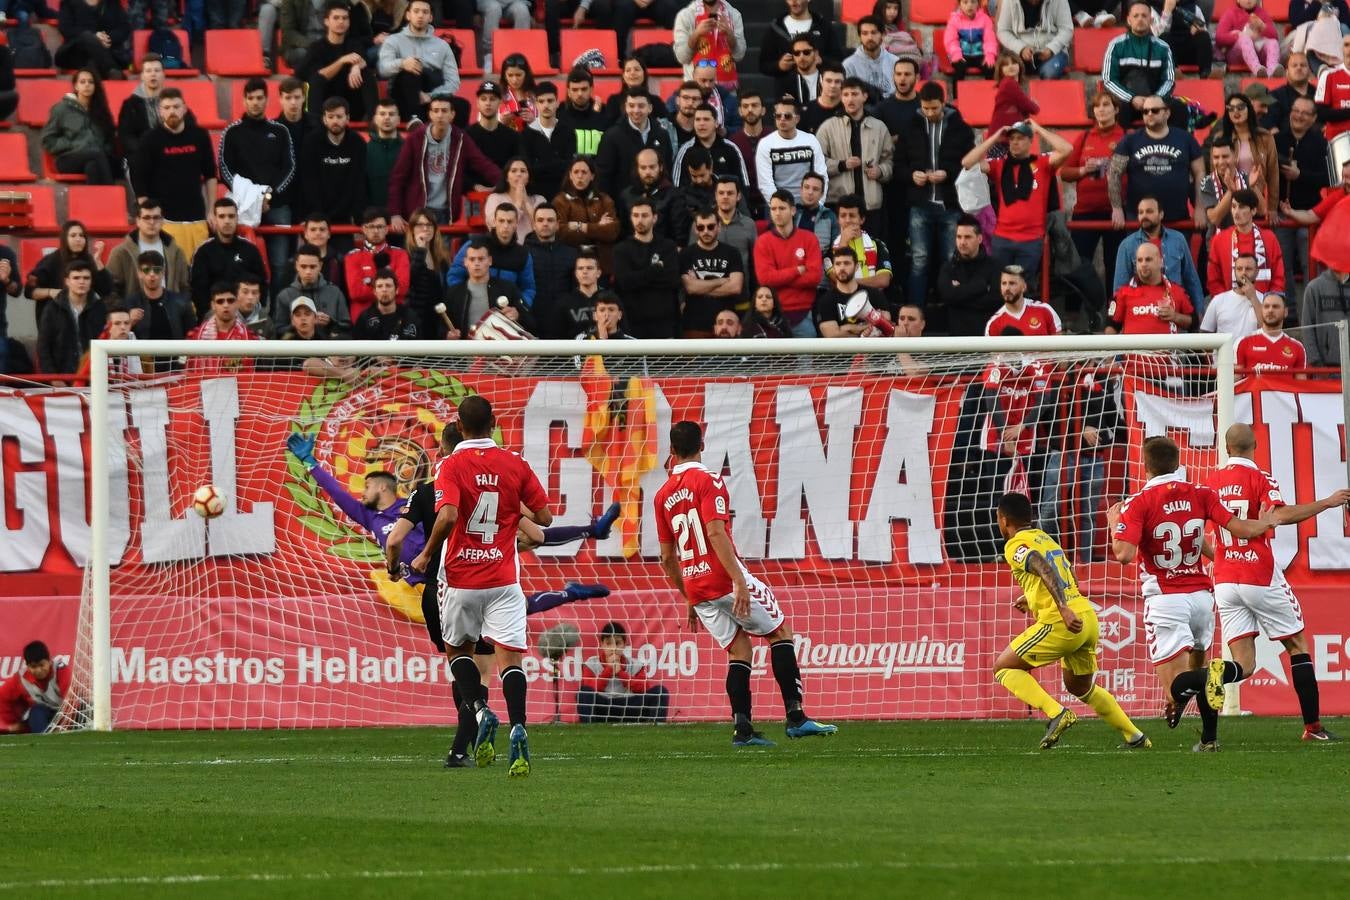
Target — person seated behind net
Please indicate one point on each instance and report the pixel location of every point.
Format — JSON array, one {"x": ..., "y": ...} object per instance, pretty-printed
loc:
[
  {"x": 31, "y": 698},
  {"x": 612, "y": 686}
]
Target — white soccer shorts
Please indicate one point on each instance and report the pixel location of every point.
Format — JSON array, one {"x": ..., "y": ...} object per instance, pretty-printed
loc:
[
  {"x": 1176, "y": 623},
  {"x": 764, "y": 618},
  {"x": 497, "y": 614},
  {"x": 1245, "y": 608}
]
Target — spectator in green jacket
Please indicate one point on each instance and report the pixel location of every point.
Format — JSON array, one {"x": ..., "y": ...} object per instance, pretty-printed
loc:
[
  {"x": 382, "y": 151},
  {"x": 1138, "y": 65}
]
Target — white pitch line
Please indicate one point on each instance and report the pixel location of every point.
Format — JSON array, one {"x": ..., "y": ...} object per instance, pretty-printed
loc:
[
  {"x": 718, "y": 755},
  {"x": 620, "y": 871}
]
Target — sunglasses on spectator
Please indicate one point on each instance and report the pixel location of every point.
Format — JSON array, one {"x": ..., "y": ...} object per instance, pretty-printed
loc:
[
  {"x": 803, "y": 52},
  {"x": 784, "y": 115},
  {"x": 706, "y": 64},
  {"x": 709, "y": 227},
  {"x": 1154, "y": 109},
  {"x": 222, "y": 301},
  {"x": 152, "y": 270}
]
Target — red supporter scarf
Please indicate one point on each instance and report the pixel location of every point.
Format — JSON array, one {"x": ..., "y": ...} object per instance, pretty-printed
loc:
[{"x": 1258, "y": 248}]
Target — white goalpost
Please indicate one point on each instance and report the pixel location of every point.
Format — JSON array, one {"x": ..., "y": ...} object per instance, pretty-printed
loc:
[{"x": 862, "y": 474}]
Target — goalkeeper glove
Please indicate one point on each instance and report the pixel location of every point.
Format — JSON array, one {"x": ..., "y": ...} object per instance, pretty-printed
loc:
[{"x": 302, "y": 448}]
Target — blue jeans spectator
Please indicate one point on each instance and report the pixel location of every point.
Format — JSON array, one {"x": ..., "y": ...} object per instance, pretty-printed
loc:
[
  {"x": 278, "y": 246},
  {"x": 40, "y": 718},
  {"x": 1294, "y": 249},
  {"x": 1026, "y": 254},
  {"x": 224, "y": 13},
  {"x": 1054, "y": 66},
  {"x": 653, "y": 706},
  {"x": 924, "y": 219},
  {"x": 1091, "y": 479},
  {"x": 806, "y": 328}
]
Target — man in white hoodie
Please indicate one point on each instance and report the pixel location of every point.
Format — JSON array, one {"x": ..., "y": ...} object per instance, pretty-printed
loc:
[{"x": 418, "y": 64}]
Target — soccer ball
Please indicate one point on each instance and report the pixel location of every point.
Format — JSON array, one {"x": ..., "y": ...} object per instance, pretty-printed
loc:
[{"x": 208, "y": 502}]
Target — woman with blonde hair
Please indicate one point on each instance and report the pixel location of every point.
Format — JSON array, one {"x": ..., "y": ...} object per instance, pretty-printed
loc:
[{"x": 428, "y": 263}]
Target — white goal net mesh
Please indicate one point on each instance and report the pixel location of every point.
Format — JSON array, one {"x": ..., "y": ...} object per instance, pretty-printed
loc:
[{"x": 863, "y": 487}]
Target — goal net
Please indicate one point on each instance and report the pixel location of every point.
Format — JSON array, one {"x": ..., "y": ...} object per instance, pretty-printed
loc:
[{"x": 863, "y": 476}]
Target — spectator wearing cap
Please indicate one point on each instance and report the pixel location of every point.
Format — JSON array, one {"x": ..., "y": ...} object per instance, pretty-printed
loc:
[
  {"x": 335, "y": 65},
  {"x": 417, "y": 63},
  {"x": 304, "y": 325},
  {"x": 32, "y": 696},
  {"x": 710, "y": 34},
  {"x": 329, "y": 304},
  {"x": 1022, "y": 184},
  {"x": 433, "y": 165},
  {"x": 497, "y": 142},
  {"x": 613, "y": 688}
]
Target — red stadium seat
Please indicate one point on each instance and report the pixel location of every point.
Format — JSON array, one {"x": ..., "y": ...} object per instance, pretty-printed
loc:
[
  {"x": 530, "y": 42},
  {"x": 606, "y": 88},
  {"x": 645, "y": 36},
  {"x": 201, "y": 99},
  {"x": 1208, "y": 92},
  {"x": 43, "y": 198},
  {"x": 49, "y": 172},
  {"x": 14, "y": 157},
  {"x": 940, "y": 51},
  {"x": 576, "y": 41},
  {"x": 37, "y": 96},
  {"x": 235, "y": 53},
  {"x": 237, "y": 99},
  {"x": 469, "y": 91},
  {"x": 102, "y": 208},
  {"x": 468, "y": 49},
  {"x": 927, "y": 12},
  {"x": 31, "y": 251},
  {"x": 975, "y": 100},
  {"x": 140, "y": 40},
  {"x": 1063, "y": 103},
  {"x": 1089, "y": 47},
  {"x": 853, "y": 10},
  {"x": 118, "y": 92}
]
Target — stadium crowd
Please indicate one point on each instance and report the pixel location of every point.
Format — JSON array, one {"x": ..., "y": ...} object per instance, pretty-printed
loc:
[{"x": 374, "y": 188}]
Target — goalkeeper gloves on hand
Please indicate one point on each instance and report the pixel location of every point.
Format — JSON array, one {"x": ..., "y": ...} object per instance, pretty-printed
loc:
[{"x": 302, "y": 448}]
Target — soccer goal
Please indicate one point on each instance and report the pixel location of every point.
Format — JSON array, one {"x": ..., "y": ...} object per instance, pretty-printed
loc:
[{"x": 863, "y": 476}]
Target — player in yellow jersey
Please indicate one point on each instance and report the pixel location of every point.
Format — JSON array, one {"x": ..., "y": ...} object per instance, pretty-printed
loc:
[{"x": 1065, "y": 630}]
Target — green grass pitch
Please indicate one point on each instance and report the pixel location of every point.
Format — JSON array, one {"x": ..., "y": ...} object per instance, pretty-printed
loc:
[{"x": 912, "y": 809}]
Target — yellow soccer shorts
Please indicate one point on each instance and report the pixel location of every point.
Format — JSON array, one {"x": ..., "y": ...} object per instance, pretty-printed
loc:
[{"x": 1046, "y": 642}]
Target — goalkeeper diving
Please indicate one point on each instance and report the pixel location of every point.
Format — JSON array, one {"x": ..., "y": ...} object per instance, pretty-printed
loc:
[
  {"x": 380, "y": 511},
  {"x": 1065, "y": 630}
]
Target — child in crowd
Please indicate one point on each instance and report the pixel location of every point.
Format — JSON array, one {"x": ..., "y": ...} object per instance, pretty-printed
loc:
[{"x": 970, "y": 40}]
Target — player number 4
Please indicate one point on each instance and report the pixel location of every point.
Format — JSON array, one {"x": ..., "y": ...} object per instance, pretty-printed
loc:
[
  {"x": 483, "y": 521},
  {"x": 1174, "y": 537},
  {"x": 687, "y": 524}
]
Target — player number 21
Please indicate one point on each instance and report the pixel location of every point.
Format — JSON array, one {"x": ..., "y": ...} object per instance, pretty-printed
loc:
[
  {"x": 686, "y": 524},
  {"x": 483, "y": 520},
  {"x": 1172, "y": 535}
]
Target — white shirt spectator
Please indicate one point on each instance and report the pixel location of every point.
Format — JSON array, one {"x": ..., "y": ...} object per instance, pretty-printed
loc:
[{"x": 1230, "y": 313}]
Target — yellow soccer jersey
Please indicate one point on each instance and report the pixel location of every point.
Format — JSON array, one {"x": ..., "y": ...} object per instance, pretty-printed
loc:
[{"x": 1039, "y": 599}]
